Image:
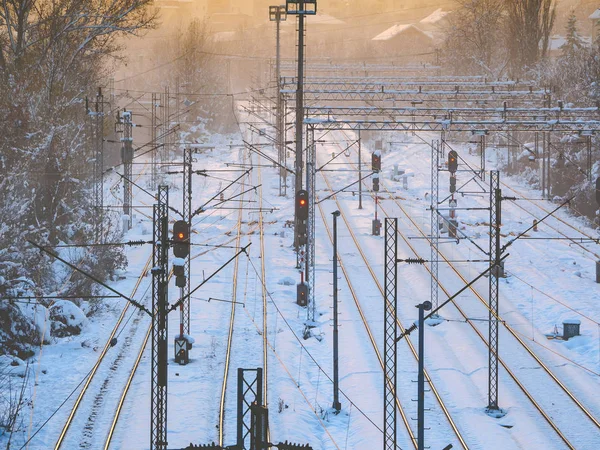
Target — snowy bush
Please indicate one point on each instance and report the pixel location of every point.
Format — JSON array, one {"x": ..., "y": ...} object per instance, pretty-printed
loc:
[
  {"x": 66, "y": 319},
  {"x": 13, "y": 380}
]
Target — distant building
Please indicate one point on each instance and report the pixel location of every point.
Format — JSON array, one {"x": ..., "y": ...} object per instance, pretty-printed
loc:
[
  {"x": 557, "y": 41},
  {"x": 405, "y": 39}
]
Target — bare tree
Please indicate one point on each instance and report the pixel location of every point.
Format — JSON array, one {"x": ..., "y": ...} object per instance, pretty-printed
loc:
[
  {"x": 60, "y": 37},
  {"x": 52, "y": 54},
  {"x": 473, "y": 34},
  {"x": 530, "y": 23}
]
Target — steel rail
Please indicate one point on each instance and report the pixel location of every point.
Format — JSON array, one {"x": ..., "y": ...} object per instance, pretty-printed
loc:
[
  {"x": 230, "y": 332},
  {"x": 85, "y": 387},
  {"x": 411, "y": 346},
  {"x": 264, "y": 288},
  {"x": 478, "y": 332},
  {"x": 79, "y": 399},
  {"x": 507, "y": 327},
  {"x": 127, "y": 386}
]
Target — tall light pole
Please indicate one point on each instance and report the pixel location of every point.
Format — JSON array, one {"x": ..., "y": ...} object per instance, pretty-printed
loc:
[
  {"x": 425, "y": 306},
  {"x": 300, "y": 8},
  {"x": 336, "y": 387},
  {"x": 359, "y": 173},
  {"x": 278, "y": 14}
]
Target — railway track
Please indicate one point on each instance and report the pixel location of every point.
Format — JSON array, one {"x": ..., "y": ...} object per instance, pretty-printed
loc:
[
  {"x": 102, "y": 355},
  {"x": 221, "y": 419},
  {"x": 412, "y": 348},
  {"x": 593, "y": 255},
  {"x": 115, "y": 365},
  {"x": 126, "y": 388},
  {"x": 265, "y": 342},
  {"x": 548, "y": 417},
  {"x": 259, "y": 226}
]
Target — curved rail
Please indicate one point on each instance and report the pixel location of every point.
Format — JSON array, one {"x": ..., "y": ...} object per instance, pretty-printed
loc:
[
  {"x": 499, "y": 318},
  {"x": 127, "y": 386},
  {"x": 85, "y": 387},
  {"x": 264, "y": 287},
  {"x": 502, "y": 362},
  {"x": 411, "y": 346},
  {"x": 230, "y": 332}
]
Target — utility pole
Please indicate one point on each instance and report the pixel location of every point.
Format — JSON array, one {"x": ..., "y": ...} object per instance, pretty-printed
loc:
[
  {"x": 336, "y": 387},
  {"x": 435, "y": 222},
  {"x": 359, "y": 173},
  {"x": 167, "y": 123},
  {"x": 278, "y": 14},
  {"x": 496, "y": 270},
  {"x": 298, "y": 7},
  {"x": 310, "y": 254},
  {"x": 98, "y": 134},
  {"x": 549, "y": 165},
  {"x": 163, "y": 129},
  {"x": 390, "y": 356},
  {"x": 127, "y": 159},
  {"x": 425, "y": 306},
  {"x": 588, "y": 148},
  {"x": 154, "y": 154},
  {"x": 187, "y": 216},
  {"x": 160, "y": 293},
  {"x": 249, "y": 393}
]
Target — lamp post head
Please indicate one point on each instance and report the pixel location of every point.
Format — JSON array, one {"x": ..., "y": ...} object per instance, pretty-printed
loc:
[
  {"x": 426, "y": 305},
  {"x": 336, "y": 213}
]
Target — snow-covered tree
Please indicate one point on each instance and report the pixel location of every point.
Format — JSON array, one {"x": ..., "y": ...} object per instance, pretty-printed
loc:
[
  {"x": 567, "y": 75},
  {"x": 530, "y": 24},
  {"x": 573, "y": 42},
  {"x": 52, "y": 54},
  {"x": 592, "y": 68}
]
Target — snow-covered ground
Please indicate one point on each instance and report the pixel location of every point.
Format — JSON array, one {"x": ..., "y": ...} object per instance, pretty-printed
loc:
[{"x": 548, "y": 282}]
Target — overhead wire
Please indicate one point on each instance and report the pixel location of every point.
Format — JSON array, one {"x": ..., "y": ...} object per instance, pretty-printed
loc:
[{"x": 313, "y": 359}]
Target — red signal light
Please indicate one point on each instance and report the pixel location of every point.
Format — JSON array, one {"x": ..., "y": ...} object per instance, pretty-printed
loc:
[
  {"x": 302, "y": 205},
  {"x": 181, "y": 237}
]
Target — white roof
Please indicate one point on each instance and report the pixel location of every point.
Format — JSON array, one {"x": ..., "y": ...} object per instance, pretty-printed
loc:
[
  {"x": 557, "y": 41},
  {"x": 396, "y": 30},
  {"x": 435, "y": 16},
  {"x": 595, "y": 15}
]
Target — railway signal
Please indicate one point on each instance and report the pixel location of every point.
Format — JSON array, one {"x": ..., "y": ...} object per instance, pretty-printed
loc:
[
  {"x": 302, "y": 294},
  {"x": 376, "y": 161},
  {"x": 375, "y": 182},
  {"x": 302, "y": 238},
  {"x": 452, "y": 184},
  {"x": 302, "y": 215},
  {"x": 452, "y": 161},
  {"x": 179, "y": 272},
  {"x": 598, "y": 191},
  {"x": 302, "y": 205},
  {"x": 181, "y": 239}
]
